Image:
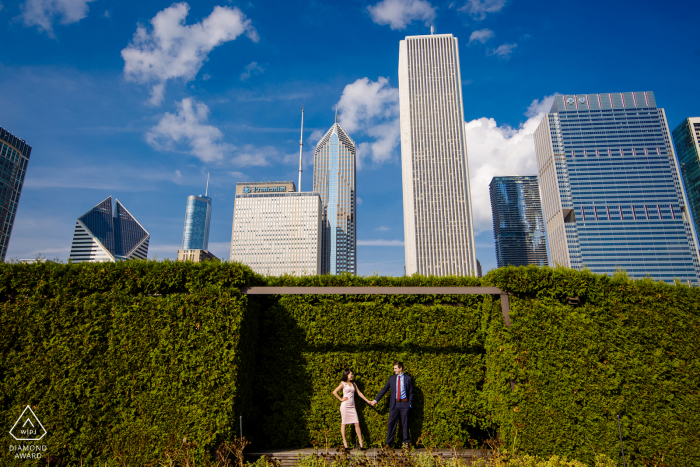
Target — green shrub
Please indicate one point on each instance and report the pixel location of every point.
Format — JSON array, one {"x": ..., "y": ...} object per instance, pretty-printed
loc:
[
  {"x": 307, "y": 341},
  {"x": 628, "y": 348},
  {"x": 118, "y": 377}
]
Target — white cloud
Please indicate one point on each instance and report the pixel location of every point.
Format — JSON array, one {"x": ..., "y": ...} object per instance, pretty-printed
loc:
[
  {"x": 399, "y": 13},
  {"x": 372, "y": 108},
  {"x": 254, "y": 156},
  {"x": 503, "y": 51},
  {"x": 188, "y": 126},
  {"x": 42, "y": 13},
  {"x": 479, "y": 8},
  {"x": 174, "y": 50},
  {"x": 498, "y": 151},
  {"x": 380, "y": 242},
  {"x": 482, "y": 35},
  {"x": 251, "y": 69},
  {"x": 382, "y": 228}
]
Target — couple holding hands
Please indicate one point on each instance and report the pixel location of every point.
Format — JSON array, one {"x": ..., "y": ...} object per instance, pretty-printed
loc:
[{"x": 400, "y": 388}]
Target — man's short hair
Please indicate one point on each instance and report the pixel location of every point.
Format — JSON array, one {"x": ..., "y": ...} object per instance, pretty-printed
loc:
[{"x": 398, "y": 364}]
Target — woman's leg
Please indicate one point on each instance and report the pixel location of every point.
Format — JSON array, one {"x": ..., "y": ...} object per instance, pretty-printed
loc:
[
  {"x": 359, "y": 433},
  {"x": 342, "y": 431}
]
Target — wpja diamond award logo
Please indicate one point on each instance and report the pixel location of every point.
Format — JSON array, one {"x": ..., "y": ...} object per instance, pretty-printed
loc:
[{"x": 27, "y": 428}]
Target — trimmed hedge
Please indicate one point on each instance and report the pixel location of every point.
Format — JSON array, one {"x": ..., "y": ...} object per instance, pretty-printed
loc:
[
  {"x": 629, "y": 348},
  {"x": 308, "y": 340},
  {"x": 122, "y": 361},
  {"x": 120, "y": 377}
]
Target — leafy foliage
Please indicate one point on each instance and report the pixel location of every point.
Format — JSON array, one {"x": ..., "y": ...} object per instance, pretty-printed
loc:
[
  {"x": 628, "y": 348},
  {"x": 124, "y": 361},
  {"x": 119, "y": 376}
]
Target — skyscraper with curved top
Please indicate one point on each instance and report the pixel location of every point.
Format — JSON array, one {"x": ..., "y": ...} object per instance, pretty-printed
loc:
[
  {"x": 437, "y": 209},
  {"x": 197, "y": 219},
  {"x": 334, "y": 179},
  {"x": 102, "y": 236}
]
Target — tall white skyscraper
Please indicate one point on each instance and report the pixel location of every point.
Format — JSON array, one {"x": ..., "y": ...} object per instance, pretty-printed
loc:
[
  {"x": 334, "y": 179},
  {"x": 437, "y": 210}
]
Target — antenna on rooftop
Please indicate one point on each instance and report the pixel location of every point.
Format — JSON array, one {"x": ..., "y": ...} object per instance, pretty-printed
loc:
[
  {"x": 432, "y": 30},
  {"x": 206, "y": 192},
  {"x": 301, "y": 144}
]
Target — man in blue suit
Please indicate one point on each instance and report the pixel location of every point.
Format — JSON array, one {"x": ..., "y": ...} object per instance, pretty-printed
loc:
[{"x": 400, "y": 387}]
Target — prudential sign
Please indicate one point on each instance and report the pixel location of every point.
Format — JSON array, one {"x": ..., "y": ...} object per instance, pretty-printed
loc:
[{"x": 263, "y": 189}]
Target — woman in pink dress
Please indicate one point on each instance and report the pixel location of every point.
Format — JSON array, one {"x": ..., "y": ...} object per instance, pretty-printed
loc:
[{"x": 348, "y": 414}]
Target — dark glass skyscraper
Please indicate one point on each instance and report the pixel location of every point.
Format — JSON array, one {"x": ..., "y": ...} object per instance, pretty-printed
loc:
[
  {"x": 102, "y": 236},
  {"x": 197, "y": 219},
  {"x": 686, "y": 136},
  {"x": 14, "y": 157},
  {"x": 611, "y": 191},
  {"x": 518, "y": 225}
]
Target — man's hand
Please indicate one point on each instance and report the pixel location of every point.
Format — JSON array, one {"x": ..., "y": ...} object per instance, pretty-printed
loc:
[{"x": 373, "y": 403}]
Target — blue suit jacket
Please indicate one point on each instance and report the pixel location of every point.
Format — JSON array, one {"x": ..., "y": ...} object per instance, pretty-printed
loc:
[{"x": 391, "y": 386}]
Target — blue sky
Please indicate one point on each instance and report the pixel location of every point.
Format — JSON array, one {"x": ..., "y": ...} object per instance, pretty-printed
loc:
[{"x": 140, "y": 100}]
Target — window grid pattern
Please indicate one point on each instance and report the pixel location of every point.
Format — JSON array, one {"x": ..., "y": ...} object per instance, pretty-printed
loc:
[
  {"x": 277, "y": 234},
  {"x": 197, "y": 220},
  {"x": 14, "y": 157},
  {"x": 438, "y": 227},
  {"x": 619, "y": 196},
  {"x": 335, "y": 181},
  {"x": 518, "y": 224}
]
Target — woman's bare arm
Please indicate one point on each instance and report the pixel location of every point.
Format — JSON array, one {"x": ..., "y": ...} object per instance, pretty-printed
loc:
[
  {"x": 335, "y": 393},
  {"x": 360, "y": 393}
]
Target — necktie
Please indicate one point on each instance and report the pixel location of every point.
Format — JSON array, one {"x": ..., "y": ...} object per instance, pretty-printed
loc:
[{"x": 398, "y": 393}]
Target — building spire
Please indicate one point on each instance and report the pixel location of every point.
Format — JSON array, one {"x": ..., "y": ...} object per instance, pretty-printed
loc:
[
  {"x": 301, "y": 145},
  {"x": 336, "y": 113},
  {"x": 206, "y": 192}
]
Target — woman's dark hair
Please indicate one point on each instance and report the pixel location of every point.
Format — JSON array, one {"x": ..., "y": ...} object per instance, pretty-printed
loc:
[{"x": 345, "y": 375}]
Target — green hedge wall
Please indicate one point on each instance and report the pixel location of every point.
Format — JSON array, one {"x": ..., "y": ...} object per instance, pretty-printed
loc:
[
  {"x": 122, "y": 360},
  {"x": 116, "y": 374},
  {"x": 307, "y": 341},
  {"x": 629, "y": 348}
]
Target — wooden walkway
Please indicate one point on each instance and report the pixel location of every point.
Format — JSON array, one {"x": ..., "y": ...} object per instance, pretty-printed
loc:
[{"x": 288, "y": 458}]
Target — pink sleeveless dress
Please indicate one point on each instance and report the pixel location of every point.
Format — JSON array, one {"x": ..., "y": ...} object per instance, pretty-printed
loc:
[{"x": 348, "y": 414}]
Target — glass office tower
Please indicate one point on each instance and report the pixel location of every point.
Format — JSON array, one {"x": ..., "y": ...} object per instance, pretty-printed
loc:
[
  {"x": 102, "y": 236},
  {"x": 14, "y": 157},
  {"x": 518, "y": 225},
  {"x": 611, "y": 191},
  {"x": 197, "y": 219},
  {"x": 686, "y": 136},
  {"x": 334, "y": 179},
  {"x": 437, "y": 210}
]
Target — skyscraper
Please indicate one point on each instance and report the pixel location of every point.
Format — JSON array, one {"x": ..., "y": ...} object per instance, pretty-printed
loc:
[
  {"x": 611, "y": 193},
  {"x": 438, "y": 226},
  {"x": 518, "y": 225},
  {"x": 334, "y": 179},
  {"x": 14, "y": 157},
  {"x": 276, "y": 230},
  {"x": 197, "y": 219},
  {"x": 686, "y": 136},
  {"x": 101, "y": 236}
]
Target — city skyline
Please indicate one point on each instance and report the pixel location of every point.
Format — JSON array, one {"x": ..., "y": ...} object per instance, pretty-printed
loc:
[{"x": 72, "y": 90}]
